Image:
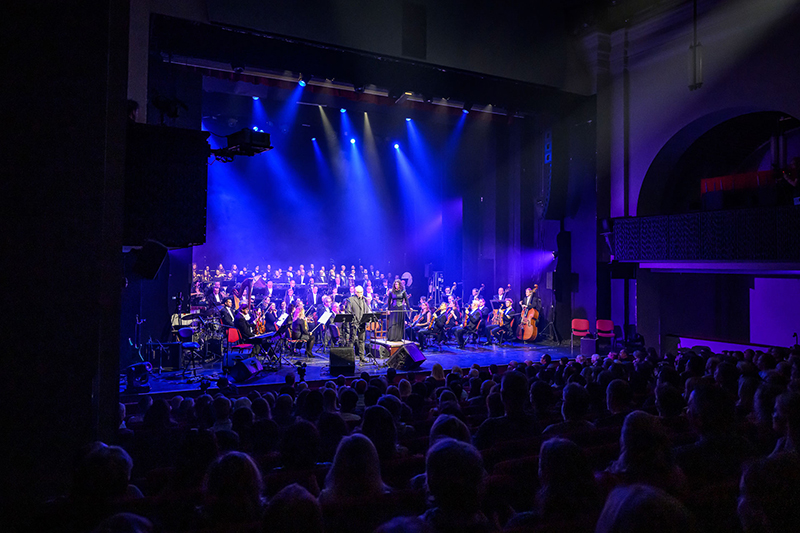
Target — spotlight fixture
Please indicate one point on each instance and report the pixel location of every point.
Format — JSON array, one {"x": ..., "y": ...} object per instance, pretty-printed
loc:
[
  {"x": 255, "y": 98},
  {"x": 467, "y": 107},
  {"x": 303, "y": 80},
  {"x": 255, "y": 128},
  {"x": 313, "y": 139},
  {"x": 396, "y": 146},
  {"x": 343, "y": 110},
  {"x": 408, "y": 119},
  {"x": 403, "y": 97},
  {"x": 352, "y": 141}
]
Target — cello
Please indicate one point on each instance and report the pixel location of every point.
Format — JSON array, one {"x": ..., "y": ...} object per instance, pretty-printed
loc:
[{"x": 527, "y": 325}]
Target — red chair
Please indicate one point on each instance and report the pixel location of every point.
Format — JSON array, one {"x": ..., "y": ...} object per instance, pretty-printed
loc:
[
  {"x": 234, "y": 339},
  {"x": 580, "y": 328},
  {"x": 605, "y": 330}
]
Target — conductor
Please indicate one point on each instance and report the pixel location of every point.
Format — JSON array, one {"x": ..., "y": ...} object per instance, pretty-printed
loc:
[{"x": 358, "y": 306}]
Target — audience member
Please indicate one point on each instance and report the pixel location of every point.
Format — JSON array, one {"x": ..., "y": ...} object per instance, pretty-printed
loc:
[
  {"x": 455, "y": 480},
  {"x": 515, "y": 423},
  {"x": 643, "y": 509},
  {"x": 293, "y": 510},
  {"x": 719, "y": 451},
  {"x": 568, "y": 489},
  {"x": 574, "y": 406},
  {"x": 646, "y": 456},
  {"x": 355, "y": 474},
  {"x": 769, "y": 501},
  {"x": 232, "y": 491}
]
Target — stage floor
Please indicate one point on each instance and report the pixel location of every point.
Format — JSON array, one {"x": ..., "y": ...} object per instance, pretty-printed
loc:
[{"x": 170, "y": 383}]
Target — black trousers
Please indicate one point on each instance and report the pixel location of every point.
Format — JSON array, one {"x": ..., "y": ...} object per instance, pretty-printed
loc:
[{"x": 357, "y": 339}]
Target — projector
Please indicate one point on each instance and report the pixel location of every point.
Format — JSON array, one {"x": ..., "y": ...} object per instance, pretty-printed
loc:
[{"x": 248, "y": 142}]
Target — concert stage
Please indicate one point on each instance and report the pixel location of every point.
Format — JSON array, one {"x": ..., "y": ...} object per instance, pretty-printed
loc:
[{"x": 171, "y": 383}]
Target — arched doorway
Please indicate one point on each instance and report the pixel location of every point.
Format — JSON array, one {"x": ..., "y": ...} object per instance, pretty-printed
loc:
[{"x": 725, "y": 142}]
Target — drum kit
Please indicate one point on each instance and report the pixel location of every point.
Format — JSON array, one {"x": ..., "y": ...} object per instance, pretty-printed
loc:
[{"x": 208, "y": 331}]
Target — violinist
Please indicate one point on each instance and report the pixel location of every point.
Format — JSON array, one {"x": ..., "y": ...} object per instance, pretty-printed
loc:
[
  {"x": 422, "y": 320},
  {"x": 453, "y": 313},
  {"x": 270, "y": 315},
  {"x": 436, "y": 328},
  {"x": 485, "y": 310},
  {"x": 499, "y": 332},
  {"x": 471, "y": 324},
  {"x": 300, "y": 328}
]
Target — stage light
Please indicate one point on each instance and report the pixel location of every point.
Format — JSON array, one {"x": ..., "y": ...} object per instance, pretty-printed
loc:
[
  {"x": 352, "y": 141},
  {"x": 255, "y": 128},
  {"x": 467, "y": 107},
  {"x": 303, "y": 80},
  {"x": 408, "y": 119},
  {"x": 255, "y": 98},
  {"x": 396, "y": 146},
  {"x": 313, "y": 139},
  {"x": 343, "y": 110}
]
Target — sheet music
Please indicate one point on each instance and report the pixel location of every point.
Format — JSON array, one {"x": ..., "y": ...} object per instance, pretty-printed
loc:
[
  {"x": 282, "y": 319},
  {"x": 325, "y": 317}
]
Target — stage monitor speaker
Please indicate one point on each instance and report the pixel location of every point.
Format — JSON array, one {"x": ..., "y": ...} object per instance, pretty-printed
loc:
[
  {"x": 342, "y": 361},
  {"x": 246, "y": 369},
  {"x": 408, "y": 357},
  {"x": 379, "y": 351},
  {"x": 149, "y": 259}
]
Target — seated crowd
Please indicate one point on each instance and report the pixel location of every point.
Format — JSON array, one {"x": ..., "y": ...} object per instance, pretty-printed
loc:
[{"x": 640, "y": 442}]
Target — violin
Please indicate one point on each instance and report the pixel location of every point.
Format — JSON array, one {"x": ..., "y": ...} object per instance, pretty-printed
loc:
[{"x": 260, "y": 324}]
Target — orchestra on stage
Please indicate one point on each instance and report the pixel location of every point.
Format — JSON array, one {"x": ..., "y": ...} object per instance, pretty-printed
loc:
[{"x": 350, "y": 307}]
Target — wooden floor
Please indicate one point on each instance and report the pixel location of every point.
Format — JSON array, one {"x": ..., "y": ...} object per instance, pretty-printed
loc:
[{"x": 171, "y": 383}]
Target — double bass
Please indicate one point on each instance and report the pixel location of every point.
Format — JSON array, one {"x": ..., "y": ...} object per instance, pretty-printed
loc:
[{"x": 527, "y": 325}]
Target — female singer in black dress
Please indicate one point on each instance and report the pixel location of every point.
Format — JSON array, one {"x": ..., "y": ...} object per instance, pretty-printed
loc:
[{"x": 396, "y": 301}]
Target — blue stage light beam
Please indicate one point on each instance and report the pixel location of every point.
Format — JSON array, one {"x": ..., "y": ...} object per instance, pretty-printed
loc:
[
  {"x": 373, "y": 159},
  {"x": 290, "y": 106}
]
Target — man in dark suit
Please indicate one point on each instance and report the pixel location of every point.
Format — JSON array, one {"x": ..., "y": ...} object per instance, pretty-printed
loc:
[
  {"x": 243, "y": 323},
  {"x": 358, "y": 307},
  {"x": 473, "y": 320},
  {"x": 314, "y": 299},
  {"x": 532, "y": 300},
  {"x": 269, "y": 292},
  {"x": 226, "y": 314},
  {"x": 436, "y": 329}
]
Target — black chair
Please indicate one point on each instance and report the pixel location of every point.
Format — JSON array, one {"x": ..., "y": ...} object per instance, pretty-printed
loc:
[{"x": 190, "y": 351}]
